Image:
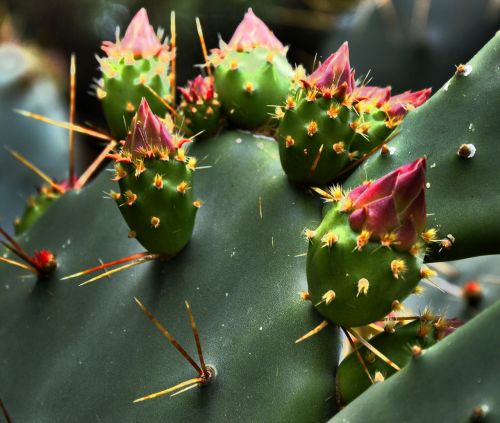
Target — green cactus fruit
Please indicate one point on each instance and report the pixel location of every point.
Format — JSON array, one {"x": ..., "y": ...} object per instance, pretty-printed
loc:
[
  {"x": 131, "y": 65},
  {"x": 156, "y": 179},
  {"x": 239, "y": 275},
  {"x": 251, "y": 74},
  {"x": 36, "y": 206},
  {"x": 365, "y": 257},
  {"x": 460, "y": 140},
  {"x": 329, "y": 122},
  {"x": 399, "y": 343},
  {"x": 200, "y": 110},
  {"x": 466, "y": 358}
]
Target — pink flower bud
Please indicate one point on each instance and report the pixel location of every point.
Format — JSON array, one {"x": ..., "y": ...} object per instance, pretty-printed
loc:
[
  {"x": 140, "y": 38},
  {"x": 376, "y": 95},
  {"x": 199, "y": 88},
  {"x": 394, "y": 203},
  {"x": 147, "y": 131},
  {"x": 252, "y": 32},
  {"x": 401, "y": 104},
  {"x": 334, "y": 72}
]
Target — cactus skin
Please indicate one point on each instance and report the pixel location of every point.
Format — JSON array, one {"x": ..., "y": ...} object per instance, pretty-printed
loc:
[
  {"x": 329, "y": 122},
  {"x": 437, "y": 129},
  {"x": 468, "y": 357},
  {"x": 352, "y": 381},
  {"x": 200, "y": 110},
  {"x": 225, "y": 273},
  {"x": 129, "y": 64},
  {"x": 251, "y": 77},
  {"x": 36, "y": 206}
]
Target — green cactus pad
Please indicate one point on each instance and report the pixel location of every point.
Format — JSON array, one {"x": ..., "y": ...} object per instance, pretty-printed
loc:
[
  {"x": 249, "y": 82},
  {"x": 462, "y": 195},
  {"x": 35, "y": 207},
  {"x": 345, "y": 270},
  {"x": 157, "y": 203},
  {"x": 352, "y": 380},
  {"x": 203, "y": 118},
  {"x": 239, "y": 275},
  {"x": 431, "y": 388},
  {"x": 122, "y": 89},
  {"x": 319, "y": 137}
]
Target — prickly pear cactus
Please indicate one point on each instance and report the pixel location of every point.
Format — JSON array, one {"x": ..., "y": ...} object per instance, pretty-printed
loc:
[
  {"x": 131, "y": 65},
  {"x": 240, "y": 262},
  {"x": 36, "y": 206},
  {"x": 399, "y": 342},
  {"x": 465, "y": 358},
  {"x": 365, "y": 257},
  {"x": 200, "y": 110},
  {"x": 155, "y": 177},
  {"x": 251, "y": 74},
  {"x": 239, "y": 269},
  {"x": 329, "y": 122}
]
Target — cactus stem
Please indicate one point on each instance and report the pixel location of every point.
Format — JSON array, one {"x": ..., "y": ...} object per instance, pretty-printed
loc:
[
  {"x": 373, "y": 349},
  {"x": 358, "y": 355},
  {"x": 71, "y": 133},
  {"x": 313, "y": 331},
  {"x": 203, "y": 47},
  {"x": 36, "y": 170},
  {"x": 316, "y": 161},
  {"x": 77, "y": 128}
]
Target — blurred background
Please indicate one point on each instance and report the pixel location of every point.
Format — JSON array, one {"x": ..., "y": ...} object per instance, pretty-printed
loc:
[{"x": 408, "y": 44}]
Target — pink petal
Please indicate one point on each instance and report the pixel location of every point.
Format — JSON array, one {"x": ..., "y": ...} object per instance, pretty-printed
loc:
[
  {"x": 253, "y": 32},
  {"x": 382, "y": 216},
  {"x": 380, "y": 188},
  {"x": 334, "y": 71}
]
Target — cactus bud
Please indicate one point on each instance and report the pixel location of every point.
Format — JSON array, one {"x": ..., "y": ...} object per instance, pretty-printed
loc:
[{"x": 394, "y": 203}]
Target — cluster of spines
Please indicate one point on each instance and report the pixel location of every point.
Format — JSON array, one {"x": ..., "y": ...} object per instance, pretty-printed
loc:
[{"x": 362, "y": 127}]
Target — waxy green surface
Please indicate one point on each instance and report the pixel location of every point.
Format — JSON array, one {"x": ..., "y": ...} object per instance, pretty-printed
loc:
[{"x": 72, "y": 353}]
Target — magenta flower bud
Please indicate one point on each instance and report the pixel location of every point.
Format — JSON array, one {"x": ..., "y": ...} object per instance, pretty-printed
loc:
[
  {"x": 147, "y": 131},
  {"x": 401, "y": 104},
  {"x": 334, "y": 72},
  {"x": 252, "y": 32},
  {"x": 198, "y": 89},
  {"x": 140, "y": 39},
  {"x": 394, "y": 203},
  {"x": 375, "y": 95}
]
